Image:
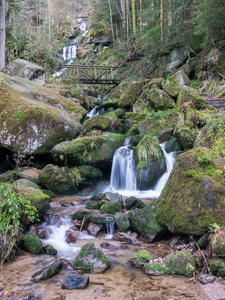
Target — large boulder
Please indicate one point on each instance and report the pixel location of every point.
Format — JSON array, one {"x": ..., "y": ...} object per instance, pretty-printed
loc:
[
  {"x": 57, "y": 181},
  {"x": 193, "y": 197},
  {"x": 38, "y": 199},
  {"x": 150, "y": 162},
  {"x": 32, "y": 243},
  {"x": 96, "y": 151},
  {"x": 33, "y": 118},
  {"x": 111, "y": 207},
  {"x": 145, "y": 223},
  {"x": 24, "y": 69},
  {"x": 87, "y": 176},
  {"x": 175, "y": 83},
  {"x": 217, "y": 267},
  {"x": 90, "y": 257},
  {"x": 121, "y": 221},
  {"x": 188, "y": 94},
  {"x": 96, "y": 122},
  {"x": 130, "y": 94}
]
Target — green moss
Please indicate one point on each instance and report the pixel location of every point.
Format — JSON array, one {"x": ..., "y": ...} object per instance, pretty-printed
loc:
[
  {"x": 111, "y": 207},
  {"x": 181, "y": 262},
  {"x": 217, "y": 267},
  {"x": 32, "y": 243},
  {"x": 143, "y": 256},
  {"x": 154, "y": 268}
]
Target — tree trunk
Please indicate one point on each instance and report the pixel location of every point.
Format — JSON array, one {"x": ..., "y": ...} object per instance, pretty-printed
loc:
[
  {"x": 111, "y": 20},
  {"x": 134, "y": 17},
  {"x": 2, "y": 34},
  {"x": 161, "y": 20}
]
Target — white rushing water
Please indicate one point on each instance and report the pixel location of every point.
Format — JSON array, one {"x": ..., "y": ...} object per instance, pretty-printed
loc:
[
  {"x": 123, "y": 174},
  {"x": 95, "y": 110}
]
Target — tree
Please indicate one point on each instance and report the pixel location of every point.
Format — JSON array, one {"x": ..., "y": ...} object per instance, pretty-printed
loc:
[{"x": 2, "y": 34}]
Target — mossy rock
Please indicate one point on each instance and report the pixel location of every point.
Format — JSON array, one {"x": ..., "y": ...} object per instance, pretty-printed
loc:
[
  {"x": 111, "y": 207},
  {"x": 57, "y": 181},
  {"x": 203, "y": 242},
  {"x": 159, "y": 99},
  {"x": 48, "y": 272},
  {"x": 217, "y": 243},
  {"x": 9, "y": 175},
  {"x": 121, "y": 221},
  {"x": 145, "y": 222},
  {"x": 150, "y": 162},
  {"x": 217, "y": 267},
  {"x": 25, "y": 183},
  {"x": 117, "y": 91},
  {"x": 181, "y": 262},
  {"x": 133, "y": 202},
  {"x": 90, "y": 257},
  {"x": 31, "y": 174},
  {"x": 35, "y": 118},
  {"x": 94, "y": 204},
  {"x": 98, "y": 219},
  {"x": 96, "y": 151},
  {"x": 172, "y": 145},
  {"x": 188, "y": 94},
  {"x": 79, "y": 215},
  {"x": 143, "y": 257},
  {"x": 51, "y": 250},
  {"x": 39, "y": 200},
  {"x": 185, "y": 136},
  {"x": 96, "y": 122},
  {"x": 175, "y": 83},
  {"x": 130, "y": 94},
  {"x": 87, "y": 176},
  {"x": 32, "y": 243},
  {"x": 193, "y": 197}
]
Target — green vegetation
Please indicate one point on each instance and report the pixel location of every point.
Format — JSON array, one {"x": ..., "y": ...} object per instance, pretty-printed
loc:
[{"x": 16, "y": 212}]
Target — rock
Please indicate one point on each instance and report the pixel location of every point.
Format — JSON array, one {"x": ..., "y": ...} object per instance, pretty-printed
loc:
[
  {"x": 121, "y": 221},
  {"x": 203, "y": 242},
  {"x": 74, "y": 281},
  {"x": 50, "y": 250},
  {"x": 48, "y": 272},
  {"x": 185, "y": 136},
  {"x": 175, "y": 83},
  {"x": 130, "y": 94},
  {"x": 90, "y": 257},
  {"x": 97, "y": 197},
  {"x": 79, "y": 215},
  {"x": 128, "y": 238},
  {"x": 33, "y": 118},
  {"x": 146, "y": 224},
  {"x": 206, "y": 278},
  {"x": 172, "y": 145},
  {"x": 94, "y": 204},
  {"x": 160, "y": 100},
  {"x": 217, "y": 267},
  {"x": 150, "y": 162},
  {"x": 24, "y": 69},
  {"x": 39, "y": 200},
  {"x": 133, "y": 202},
  {"x": 189, "y": 67},
  {"x": 166, "y": 135},
  {"x": 88, "y": 175},
  {"x": 99, "y": 220},
  {"x": 187, "y": 94},
  {"x": 111, "y": 207},
  {"x": 112, "y": 197},
  {"x": 117, "y": 91},
  {"x": 57, "y": 181},
  {"x": 96, "y": 122},
  {"x": 181, "y": 262},
  {"x": 193, "y": 197},
  {"x": 71, "y": 236},
  {"x": 31, "y": 174},
  {"x": 32, "y": 243},
  {"x": 176, "y": 58},
  {"x": 25, "y": 183},
  {"x": 96, "y": 151},
  {"x": 93, "y": 229},
  {"x": 141, "y": 258},
  {"x": 217, "y": 243},
  {"x": 109, "y": 247},
  {"x": 43, "y": 232}
]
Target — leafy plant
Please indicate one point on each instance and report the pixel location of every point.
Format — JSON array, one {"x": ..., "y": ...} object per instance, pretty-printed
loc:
[
  {"x": 213, "y": 227},
  {"x": 16, "y": 212}
]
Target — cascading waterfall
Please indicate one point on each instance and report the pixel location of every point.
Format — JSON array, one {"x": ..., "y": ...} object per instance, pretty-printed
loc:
[
  {"x": 110, "y": 229},
  {"x": 69, "y": 52},
  {"x": 123, "y": 174},
  {"x": 95, "y": 110}
]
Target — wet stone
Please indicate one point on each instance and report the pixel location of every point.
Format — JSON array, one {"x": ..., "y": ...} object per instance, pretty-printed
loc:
[
  {"x": 93, "y": 229},
  {"x": 74, "y": 281},
  {"x": 108, "y": 247},
  {"x": 71, "y": 236},
  {"x": 207, "y": 278},
  {"x": 126, "y": 238},
  {"x": 48, "y": 272}
]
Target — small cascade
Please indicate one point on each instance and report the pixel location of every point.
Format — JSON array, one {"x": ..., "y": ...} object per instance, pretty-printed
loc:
[
  {"x": 69, "y": 52},
  {"x": 95, "y": 110},
  {"x": 110, "y": 229},
  {"x": 123, "y": 173}
]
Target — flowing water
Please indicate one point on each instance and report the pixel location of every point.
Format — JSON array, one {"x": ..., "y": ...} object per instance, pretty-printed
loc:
[
  {"x": 96, "y": 109},
  {"x": 123, "y": 174}
]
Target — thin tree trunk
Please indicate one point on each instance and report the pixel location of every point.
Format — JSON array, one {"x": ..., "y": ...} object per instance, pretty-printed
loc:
[
  {"x": 134, "y": 17},
  {"x": 111, "y": 20},
  {"x": 2, "y": 34},
  {"x": 161, "y": 20}
]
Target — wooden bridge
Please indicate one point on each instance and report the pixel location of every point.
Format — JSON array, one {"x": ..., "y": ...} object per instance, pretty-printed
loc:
[{"x": 90, "y": 74}]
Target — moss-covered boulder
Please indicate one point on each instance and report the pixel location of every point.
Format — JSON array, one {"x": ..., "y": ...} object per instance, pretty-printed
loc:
[
  {"x": 32, "y": 243},
  {"x": 121, "y": 221},
  {"x": 133, "y": 202},
  {"x": 31, "y": 174},
  {"x": 186, "y": 136},
  {"x": 145, "y": 222},
  {"x": 130, "y": 94},
  {"x": 96, "y": 122},
  {"x": 117, "y": 91},
  {"x": 181, "y": 262},
  {"x": 80, "y": 214},
  {"x": 150, "y": 162},
  {"x": 175, "y": 83},
  {"x": 38, "y": 199},
  {"x": 34, "y": 118},
  {"x": 87, "y": 176},
  {"x": 217, "y": 267},
  {"x": 188, "y": 94},
  {"x": 98, "y": 219},
  {"x": 193, "y": 197},
  {"x": 25, "y": 183},
  {"x": 217, "y": 243},
  {"x": 141, "y": 258},
  {"x": 111, "y": 207},
  {"x": 57, "y": 181},
  {"x": 172, "y": 145},
  {"x": 90, "y": 257},
  {"x": 50, "y": 250},
  {"x": 96, "y": 151},
  {"x": 159, "y": 99}
]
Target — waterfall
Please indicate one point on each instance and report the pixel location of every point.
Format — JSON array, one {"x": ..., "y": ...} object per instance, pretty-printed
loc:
[
  {"x": 123, "y": 174},
  {"x": 69, "y": 52},
  {"x": 110, "y": 229},
  {"x": 95, "y": 110}
]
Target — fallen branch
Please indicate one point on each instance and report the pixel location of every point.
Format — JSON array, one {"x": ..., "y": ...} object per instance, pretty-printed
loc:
[
  {"x": 82, "y": 223},
  {"x": 203, "y": 256}
]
